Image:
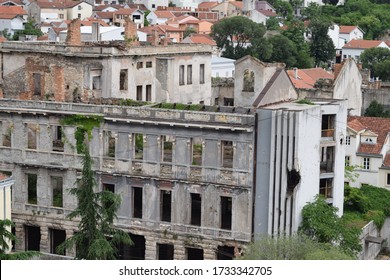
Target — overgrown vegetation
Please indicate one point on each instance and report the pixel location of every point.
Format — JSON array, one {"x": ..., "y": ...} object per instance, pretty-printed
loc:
[
  {"x": 376, "y": 109},
  {"x": 304, "y": 101},
  {"x": 180, "y": 106}
]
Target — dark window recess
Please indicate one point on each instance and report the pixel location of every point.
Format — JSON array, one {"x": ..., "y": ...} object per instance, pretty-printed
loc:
[
  {"x": 388, "y": 179},
  {"x": 139, "y": 146},
  {"x": 37, "y": 83},
  {"x": 135, "y": 252},
  {"x": 148, "y": 64},
  {"x": 165, "y": 251},
  {"x": 137, "y": 202},
  {"x": 58, "y": 145},
  {"x": 56, "y": 238},
  {"x": 139, "y": 93},
  {"x": 225, "y": 253},
  {"x": 226, "y": 212},
  {"x": 189, "y": 74},
  {"x": 196, "y": 209},
  {"x": 110, "y": 144},
  {"x": 194, "y": 254},
  {"x": 57, "y": 186},
  {"x": 109, "y": 187},
  {"x": 167, "y": 149},
  {"x": 32, "y": 188},
  {"x": 32, "y": 238},
  {"x": 148, "y": 92},
  {"x": 123, "y": 76},
  {"x": 197, "y": 151},
  {"x": 166, "y": 202},
  {"x": 181, "y": 75},
  {"x": 228, "y": 102},
  {"x": 140, "y": 64},
  {"x": 201, "y": 74},
  {"x": 96, "y": 82},
  {"x": 227, "y": 154}
]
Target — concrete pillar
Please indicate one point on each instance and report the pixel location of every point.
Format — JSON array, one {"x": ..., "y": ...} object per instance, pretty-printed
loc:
[{"x": 150, "y": 248}]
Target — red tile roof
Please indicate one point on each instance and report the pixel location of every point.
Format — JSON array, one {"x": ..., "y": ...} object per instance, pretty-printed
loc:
[
  {"x": 124, "y": 11},
  {"x": 238, "y": 4},
  {"x": 18, "y": 2},
  {"x": 105, "y": 15},
  {"x": 200, "y": 39},
  {"x": 102, "y": 7},
  {"x": 386, "y": 161},
  {"x": 306, "y": 78},
  {"x": 379, "y": 126},
  {"x": 346, "y": 29},
  {"x": 59, "y": 4},
  {"x": 12, "y": 11},
  {"x": 164, "y": 14},
  {"x": 207, "y": 5},
  {"x": 2, "y": 39},
  {"x": 362, "y": 44},
  {"x": 89, "y": 22},
  {"x": 268, "y": 13}
]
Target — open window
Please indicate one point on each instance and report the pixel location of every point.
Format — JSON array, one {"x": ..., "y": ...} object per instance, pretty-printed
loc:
[
  {"x": 249, "y": 81},
  {"x": 226, "y": 212},
  {"x": 37, "y": 83},
  {"x": 326, "y": 187},
  {"x": 57, "y": 191},
  {"x": 32, "y": 131},
  {"x": 139, "y": 93},
  {"x": 201, "y": 74},
  {"x": 123, "y": 79},
  {"x": 6, "y": 130},
  {"x": 165, "y": 205},
  {"x": 32, "y": 188},
  {"x": 137, "y": 202},
  {"x": 196, "y": 209},
  {"x": 167, "y": 146},
  {"x": 148, "y": 92},
  {"x": 165, "y": 251},
  {"x": 58, "y": 145},
  {"x": 194, "y": 253},
  {"x": 57, "y": 237},
  {"x": 227, "y": 154},
  {"x": 109, "y": 144},
  {"x": 197, "y": 151},
  {"x": 138, "y": 146},
  {"x": 189, "y": 74},
  {"x": 32, "y": 238},
  {"x": 328, "y": 125}
]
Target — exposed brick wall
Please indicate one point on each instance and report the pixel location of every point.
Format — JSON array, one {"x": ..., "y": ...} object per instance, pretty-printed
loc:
[
  {"x": 131, "y": 32},
  {"x": 73, "y": 37}
]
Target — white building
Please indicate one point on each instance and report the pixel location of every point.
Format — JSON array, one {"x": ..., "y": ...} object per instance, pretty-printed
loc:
[
  {"x": 152, "y": 4},
  {"x": 367, "y": 148},
  {"x": 222, "y": 67},
  {"x": 354, "y": 48},
  {"x": 348, "y": 33},
  {"x": 5, "y": 199}
]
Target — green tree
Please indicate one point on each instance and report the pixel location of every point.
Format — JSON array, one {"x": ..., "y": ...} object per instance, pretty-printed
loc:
[
  {"x": 283, "y": 50},
  {"x": 321, "y": 46},
  {"x": 96, "y": 239},
  {"x": 235, "y": 35},
  {"x": 5, "y": 236},
  {"x": 382, "y": 70},
  {"x": 272, "y": 23},
  {"x": 29, "y": 29},
  {"x": 188, "y": 31},
  {"x": 321, "y": 223},
  {"x": 372, "y": 56},
  {"x": 295, "y": 247},
  {"x": 376, "y": 109}
]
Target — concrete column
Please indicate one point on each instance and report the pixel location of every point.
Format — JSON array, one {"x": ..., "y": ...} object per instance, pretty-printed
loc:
[
  {"x": 150, "y": 248},
  {"x": 45, "y": 240}
]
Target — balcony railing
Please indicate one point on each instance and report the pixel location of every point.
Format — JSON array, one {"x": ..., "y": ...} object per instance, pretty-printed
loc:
[{"x": 327, "y": 166}]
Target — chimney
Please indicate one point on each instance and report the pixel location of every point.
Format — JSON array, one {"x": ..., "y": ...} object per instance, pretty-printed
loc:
[
  {"x": 377, "y": 83},
  {"x": 295, "y": 73},
  {"x": 155, "y": 38},
  {"x": 95, "y": 31},
  {"x": 131, "y": 32},
  {"x": 73, "y": 37}
]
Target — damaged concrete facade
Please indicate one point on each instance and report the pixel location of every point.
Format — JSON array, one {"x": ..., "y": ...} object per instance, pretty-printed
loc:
[{"x": 86, "y": 73}]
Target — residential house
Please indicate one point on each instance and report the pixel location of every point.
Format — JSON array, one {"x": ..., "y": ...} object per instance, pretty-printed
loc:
[
  {"x": 159, "y": 17},
  {"x": 222, "y": 67},
  {"x": 187, "y": 22},
  {"x": 228, "y": 8},
  {"x": 368, "y": 149},
  {"x": 12, "y": 3},
  {"x": 202, "y": 39},
  {"x": 6, "y": 183},
  {"x": 354, "y": 48},
  {"x": 137, "y": 16},
  {"x": 152, "y": 5},
  {"x": 12, "y": 19},
  {"x": 107, "y": 17},
  {"x": 348, "y": 33}
]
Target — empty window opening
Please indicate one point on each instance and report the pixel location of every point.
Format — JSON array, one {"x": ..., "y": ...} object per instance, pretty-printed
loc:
[
  {"x": 32, "y": 130},
  {"x": 96, "y": 82},
  {"x": 167, "y": 145},
  {"x": 225, "y": 253},
  {"x": 13, "y": 230},
  {"x": 196, "y": 209},
  {"x": 327, "y": 125},
  {"x": 137, "y": 202},
  {"x": 139, "y": 93},
  {"x": 181, "y": 75},
  {"x": 140, "y": 64},
  {"x": 148, "y": 64},
  {"x": 165, "y": 251},
  {"x": 123, "y": 79},
  {"x": 201, "y": 74},
  {"x": 139, "y": 146},
  {"x": 109, "y": 187},
  {"x": 197, "y": 151},
  {"x": 227, "y": 154},
  {"x": 148, "y": 92},
  {"x": 194, "y": 254},
  {"x": 6, "y": 130},
  {"x": 37, "y": 83},
  {"x": 166, "y": 205},
  {"x": 32, "y": 188},
  {"x": 327, "y": 159},
  {"x": 32, "y": 238},
  {"x": 249, "y": 81},
  {"x": 58, "y": 144},
  {"x": 109, "y": 144},
  {"x": 226, "y": 212},
  {"x": 57, "y": 188},
  {"x": 189, "y": 74},
  {"x": 57, "y": 237},
  {"x": 228, "y": 101},
  {"x": 347, "y": 160},
  {"x": 135, "y": 252},
  {"x": 326, "y": 186}
]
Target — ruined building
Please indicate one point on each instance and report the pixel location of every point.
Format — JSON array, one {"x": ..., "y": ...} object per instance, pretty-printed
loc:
[{"x": 196, "y": 181}]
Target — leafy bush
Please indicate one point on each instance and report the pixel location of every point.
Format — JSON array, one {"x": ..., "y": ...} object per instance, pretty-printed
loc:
[{"x": 355, "y": 200}]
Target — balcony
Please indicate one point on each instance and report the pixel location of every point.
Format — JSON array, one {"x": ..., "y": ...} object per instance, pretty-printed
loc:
[
  {"x": 326, "y": 166},
  {"x": 328, "y": 134}
]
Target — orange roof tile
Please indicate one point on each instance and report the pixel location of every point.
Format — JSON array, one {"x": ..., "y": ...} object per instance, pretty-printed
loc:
[
  {"x": 2, "y": 39},
  {"x": 12, "y": 10},
  {"x": 362, "y": 44},
  {"x": 105, "y": 15},
  {"x": 379, "y": 126},
  {"x": 200, "y": 39},
  {"x": 238, "y": 4},
  {"x": 386, "y": 161},
  {"x": 268, "y": 13},
  {"x": 124, "y": 11},
  {"x": 346, "y": 29},
  {"x": 207, "y": 5},
  {"x": 306, "y": 78},
  {"x": 164, "y": 14}
]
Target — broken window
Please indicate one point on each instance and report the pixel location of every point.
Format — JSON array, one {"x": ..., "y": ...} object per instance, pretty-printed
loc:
[
  {"x": 109, "y": 187},
  {"x": 327, "y": 126},
  {"x": 139, "y": 93},
  {"x": 139, "y": 146},
  {"x": 58, "y": 145},
  {"x": 32, "y": 188},
  {"x": 134, "y": 252},
  {"x": 181, "y": 75},
  {"x": 6, "y": 130},
  {"x": 32, "y": 130},
  {"x": 228, "y": 101},
  {"x": 201, "y": 74},
  {"x": 109, "y": 144},
  {"x": 57, "y": 187},
  {"x": 137, "y": 202},
  {"x": 327, "y": 159},
  {"x": 225, "y": 253},
  {"x": 196, "y": 209},
  {"x": 227, "y": 154},
  {"x": 140, "y": 64},
  {"x": 326, "y": 186},
  {"x": 226, "y": 212},
  {"x": 189, "y": 74},
  {"x": 148, "y": 92},
  {"x": 37, "y": 83},
  {"x": 167, "y": 145},
  {"x": 249, "y": 81},
  {"x": 148, "y": 64},
  {"x": 32, "y": 238},
  {"x": 123, "y": 79},
  {"x": 165, "y": 251},
  {"x": 96, "y": 79},
  {"x": 165, "y": 205},
  {"x": 197, "y": 151},
  {"x": 57, "y": 237},
  {"x": 194, "y": 254}
]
